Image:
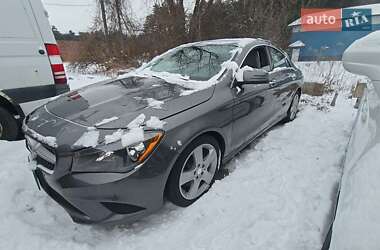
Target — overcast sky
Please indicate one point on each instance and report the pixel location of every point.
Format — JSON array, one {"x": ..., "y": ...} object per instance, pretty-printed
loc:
[{"x": 77, "y": 15}]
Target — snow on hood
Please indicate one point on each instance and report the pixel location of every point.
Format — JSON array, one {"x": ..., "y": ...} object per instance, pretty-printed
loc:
[
  {"x": 155, "y": 123},
  {"x": 88, "y": 139},
  {"x": 133, "y": 134},
  {"x": 100, "y": 104},
  {"x": 48, "y": 140}
]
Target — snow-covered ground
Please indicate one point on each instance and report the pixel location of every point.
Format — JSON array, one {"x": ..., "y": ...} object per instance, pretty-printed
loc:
[
  {"x": 77, "y": 80},
  {"x": 331, "y": 73},
  {"x": 278, "y": 196}
]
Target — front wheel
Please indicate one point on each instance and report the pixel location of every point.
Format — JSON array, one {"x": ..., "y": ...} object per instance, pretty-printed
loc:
[{"x": 194, "y": 172}]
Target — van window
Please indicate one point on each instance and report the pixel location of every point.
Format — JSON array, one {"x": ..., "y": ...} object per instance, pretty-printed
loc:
[{"x": 15, "y": 19}]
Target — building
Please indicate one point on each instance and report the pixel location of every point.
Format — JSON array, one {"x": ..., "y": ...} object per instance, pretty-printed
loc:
[{"x": 329, "y": 45}]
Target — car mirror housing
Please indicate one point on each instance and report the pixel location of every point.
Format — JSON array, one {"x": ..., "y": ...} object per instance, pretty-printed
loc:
[
  {"x": 248, "y": 75},
  {"x": 363, "y": 57}
]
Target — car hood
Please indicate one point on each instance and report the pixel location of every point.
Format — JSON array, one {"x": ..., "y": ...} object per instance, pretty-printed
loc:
[{"x": 121, "y": 101}]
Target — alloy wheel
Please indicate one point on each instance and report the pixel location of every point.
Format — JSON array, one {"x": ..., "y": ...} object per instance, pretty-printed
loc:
[{"x": 198, "y": 171}]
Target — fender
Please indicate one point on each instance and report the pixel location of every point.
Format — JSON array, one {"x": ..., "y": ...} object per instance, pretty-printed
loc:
[
  {"x": 195, "y": 136},
  {"x": 188, "y": 142},
  {"x": 10, "y": 105}
]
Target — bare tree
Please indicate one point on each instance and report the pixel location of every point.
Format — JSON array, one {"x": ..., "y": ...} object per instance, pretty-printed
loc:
[
  {"x": 118, "y": 14},
  {"x": 200, "y": 12},
  {"x": 104, "y": 17}
]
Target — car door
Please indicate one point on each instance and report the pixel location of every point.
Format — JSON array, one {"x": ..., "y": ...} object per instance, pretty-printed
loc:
[
  {"x": 253, "y": 103},
  {"x": 284, "y": 78}
]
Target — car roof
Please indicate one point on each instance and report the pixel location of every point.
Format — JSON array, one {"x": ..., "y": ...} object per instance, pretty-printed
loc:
[{"x": 241, "y": 42}]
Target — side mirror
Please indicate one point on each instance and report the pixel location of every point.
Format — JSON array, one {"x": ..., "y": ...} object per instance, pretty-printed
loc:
[
  {"x": 362, "y": 57},
  {"x": 248, "y": 75}
]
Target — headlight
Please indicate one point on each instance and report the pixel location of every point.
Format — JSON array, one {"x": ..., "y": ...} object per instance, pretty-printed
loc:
[
  {"x": 115, "y": 158},
  {"x": 140, "y": 151}
]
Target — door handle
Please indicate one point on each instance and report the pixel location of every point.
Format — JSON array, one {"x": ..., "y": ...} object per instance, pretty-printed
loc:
[
  {"x": 273, "y": 84},
  {"x": 292, "y": 76}
]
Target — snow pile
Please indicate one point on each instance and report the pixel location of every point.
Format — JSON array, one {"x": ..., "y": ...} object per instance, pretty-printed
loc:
[
  {"x": 320, "y": 103},
  {"x": 155, "y": 123},
  {"x": 106, "y": 121},
  {"x": 277, "y": 196},
  {"x": 32, "y": 163},
  {"x": 137, "y": 122},
  {"x": 134, "y": 133},
  {"x": 156, "y": 104},
  {"x": 132, "y": 136},
  {"x": 114, "y": 137},
  {"x": 230, "y": 65},
  {"x": 88, "y": 139},
  {"x": 48, "y": 140},
  {"x": 240, "y": 73}
]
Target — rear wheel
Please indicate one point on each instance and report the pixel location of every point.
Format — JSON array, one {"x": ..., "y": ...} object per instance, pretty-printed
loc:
[
  {"x": 293, "y": 110},
  {"x": 8, "y": 126},
  {"x": 194, "y": 172}
]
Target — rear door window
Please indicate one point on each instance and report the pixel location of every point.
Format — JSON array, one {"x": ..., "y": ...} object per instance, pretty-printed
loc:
[{"x": 279, "y": 60}]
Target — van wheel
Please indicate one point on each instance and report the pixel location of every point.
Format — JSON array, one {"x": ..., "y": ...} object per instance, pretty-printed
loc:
[{"x": 8, "y": 126}]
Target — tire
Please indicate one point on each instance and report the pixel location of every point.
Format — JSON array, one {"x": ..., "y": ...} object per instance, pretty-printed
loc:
[
  {"x": 188, "y": 172},
  {"x": 293, "y": 109},
  {"x": 9, "y": 129}
]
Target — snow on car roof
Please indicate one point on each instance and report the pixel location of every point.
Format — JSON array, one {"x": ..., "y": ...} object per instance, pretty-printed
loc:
[{"x": 241, "y": 42}]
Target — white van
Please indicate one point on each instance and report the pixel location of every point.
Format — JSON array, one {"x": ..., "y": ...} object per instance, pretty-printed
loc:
[{"x": 31, "y": 67}]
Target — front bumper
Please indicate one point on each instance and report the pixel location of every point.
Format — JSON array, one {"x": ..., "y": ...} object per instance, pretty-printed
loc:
[
  {"x": 96, "y": 197},
  {"x": 103, "y": 198}
]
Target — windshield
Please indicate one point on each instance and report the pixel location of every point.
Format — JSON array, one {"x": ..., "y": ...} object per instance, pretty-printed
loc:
[{"x": 199, "y": 63}]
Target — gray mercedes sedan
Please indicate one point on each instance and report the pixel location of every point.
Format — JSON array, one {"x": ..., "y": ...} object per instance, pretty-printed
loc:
[{"x": 116, "y": 150}]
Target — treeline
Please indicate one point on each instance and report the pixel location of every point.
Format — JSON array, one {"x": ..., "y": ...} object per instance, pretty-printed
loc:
[{"x": 117, "y": 41}]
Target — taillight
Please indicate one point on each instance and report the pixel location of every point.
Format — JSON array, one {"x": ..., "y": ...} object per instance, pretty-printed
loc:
[{"x": 56, "y": 63}]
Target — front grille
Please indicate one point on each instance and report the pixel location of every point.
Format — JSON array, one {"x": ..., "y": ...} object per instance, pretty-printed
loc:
[
  {"x": 43, "y": 154},
  {"x": 45, "y": 163}
]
